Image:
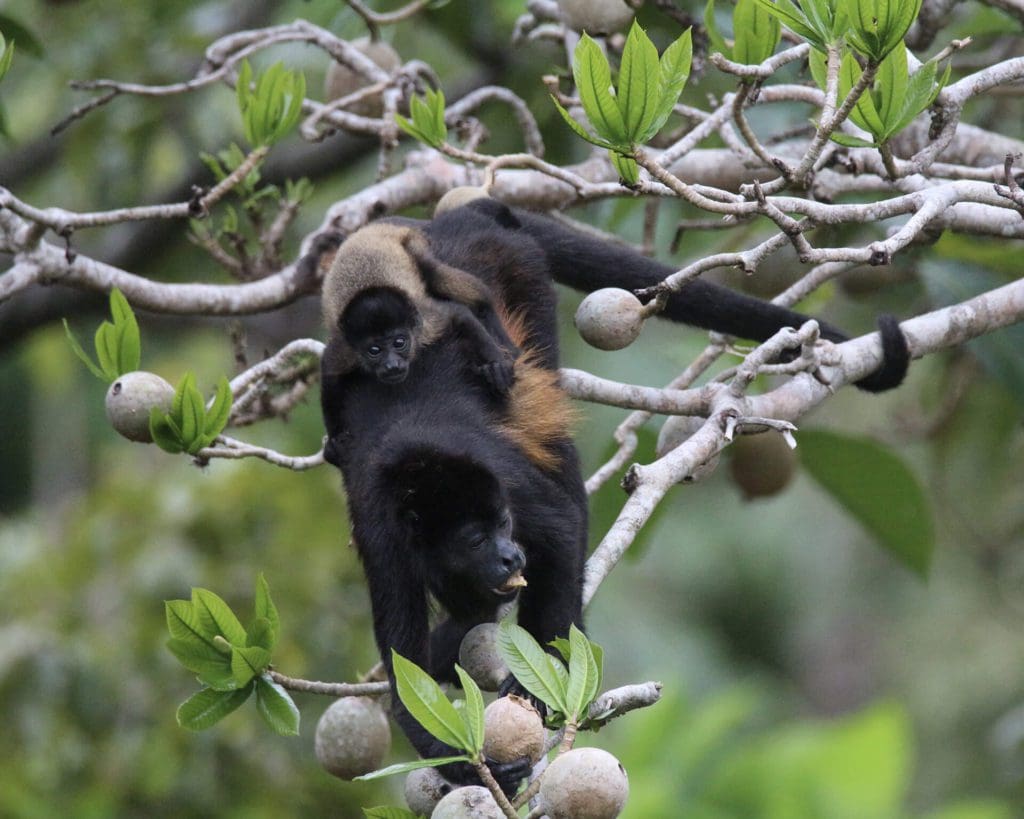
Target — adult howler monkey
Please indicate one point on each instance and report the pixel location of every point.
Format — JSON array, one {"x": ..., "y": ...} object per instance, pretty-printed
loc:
[
  {"x": 386, "y": 296},
  {"x": 437, "y": 468}
]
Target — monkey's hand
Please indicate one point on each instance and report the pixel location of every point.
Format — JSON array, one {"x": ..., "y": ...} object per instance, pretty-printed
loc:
[
  {"x": 498, "y": 374},
  {"x": 511, "y": 685},
  {"x": 507, "y": 774}
]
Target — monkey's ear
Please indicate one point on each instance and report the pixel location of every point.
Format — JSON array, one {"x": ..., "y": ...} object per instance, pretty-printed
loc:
[{"x": 405, "y": 480}]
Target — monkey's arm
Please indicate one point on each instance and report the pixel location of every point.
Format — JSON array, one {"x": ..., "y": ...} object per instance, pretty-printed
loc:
[
  {"x": 496, "y": 362},
  {"x": 444, "y": 281},
  {"x": 334, "y": 367},
  {"x": 400, "y": 618},
  {"x": 589, "y": 264}
]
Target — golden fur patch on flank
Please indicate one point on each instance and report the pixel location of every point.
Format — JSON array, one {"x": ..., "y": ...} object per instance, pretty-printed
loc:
[{"x": 539, "y": 412}]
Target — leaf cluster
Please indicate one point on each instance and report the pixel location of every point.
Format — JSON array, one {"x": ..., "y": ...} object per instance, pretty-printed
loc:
[
  {"x": 230, "y": 661},
  {"x": 892, "y": 102},
  {"x": 190, "y": 426},
  {"x": 873, "y": 27},
  {"x": 241, "y": 232},
  {"x": 566, "y": 688},
  {"x": 427, "y": 119},
  {"x": 635, "y": 110},
  {"x": 756, "y": 32},
  {"x": 118, "y": 344},
  {"x": 270, "y": 106}
]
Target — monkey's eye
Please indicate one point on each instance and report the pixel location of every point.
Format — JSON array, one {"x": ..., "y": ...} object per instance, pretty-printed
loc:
[
  {"x": 373, "y": 350},
  {"x": 399, "y": 342}
]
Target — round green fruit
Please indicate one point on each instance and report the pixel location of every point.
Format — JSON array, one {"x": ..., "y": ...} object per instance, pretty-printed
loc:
[{"x": 130, "y": 399}]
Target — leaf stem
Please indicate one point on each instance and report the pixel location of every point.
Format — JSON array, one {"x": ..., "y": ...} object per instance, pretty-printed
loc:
[
  {"x": 492, "y": 785},
  {"x": 889, "y": 161}
]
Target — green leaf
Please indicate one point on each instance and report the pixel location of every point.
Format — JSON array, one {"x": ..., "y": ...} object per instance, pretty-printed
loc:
[
  {"x": 220, "y": 411},
  {"x": 264, "y": 606},
  {"x": 162, "y": 432},
  {"x": 850, "y": 141},
  {"x": 579, "y": 129},
  {"x": 202, "y": 659},
  {"x": 877, "y": 488},
  {"x": 674, "y": 70},
  {"x": 890, "y": 91},
  {"x": 594, "y": 82},
  {"x": 531, "y": 665},
  {"x": 818, "y": 63},
  {"x": 756, "y": 31},
  {"x": 561, "y": 645},
  {"x": 583, "y": 681},
  {"x": 921, "y": 91},
  {"x": 215, "y": 617},
  {"x": 639, "y": 83},
  {"x": 128, "y": 342},
  {"x": 878, "y": 26},
  {"x": 271, "y": 107},
  {"x": 436, "y": 101},
  {"x": 387, "y": 812},
  {"x": 208, "y": 707},
  {"x": 6, "y": 57},
  {"x": 248, "y": 662},
  {"x": 405, "y": 767},
  {"x": 473, "y": 713},
  {"x": 76, "y": 348},
  {"x": 183, "y": 622},
  {"x": 260, "y": 633},
  {"x": 428, "y": 705},
  {"x": 558, "y": 671},
  {"x": 105, "y": 342},
  {"x": 864, "y": 113},
  {"x": 276, "y": 707},
  {"x": 796, "y": 21},
  {"x": 718, "y": 42},
  {"x": 193, "y": 412},
  {"x": 427, "y": 123}
]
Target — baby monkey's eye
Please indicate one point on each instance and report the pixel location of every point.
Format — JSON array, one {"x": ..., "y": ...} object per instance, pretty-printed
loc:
[
  {"x": 399, "y": 342},
  {"x": 373, "y": 350}
]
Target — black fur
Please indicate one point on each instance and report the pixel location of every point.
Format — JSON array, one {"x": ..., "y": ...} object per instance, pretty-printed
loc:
[{"x": 421, "y": 458}]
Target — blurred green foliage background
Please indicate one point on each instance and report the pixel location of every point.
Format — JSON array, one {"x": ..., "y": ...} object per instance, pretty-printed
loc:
[{"x": 806, "y": 673}]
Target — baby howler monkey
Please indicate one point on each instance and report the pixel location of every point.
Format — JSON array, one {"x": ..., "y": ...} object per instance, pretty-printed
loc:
[{"x": 386, "y": 296}]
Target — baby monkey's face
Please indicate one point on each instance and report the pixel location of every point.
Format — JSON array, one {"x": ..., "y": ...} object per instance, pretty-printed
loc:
[{"x": 387, "y": 356}]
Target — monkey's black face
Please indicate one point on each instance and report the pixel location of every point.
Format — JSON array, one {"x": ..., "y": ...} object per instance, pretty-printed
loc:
[
  {"x": 482, "y": 552},
  {"x": 382, "y": 326},
  {"x": 387, "y": 356}
]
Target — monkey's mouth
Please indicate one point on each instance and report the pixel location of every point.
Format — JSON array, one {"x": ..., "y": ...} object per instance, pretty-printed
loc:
[
  {"x": 394, "y": 378},
  {"x": 512, "y": 585}
]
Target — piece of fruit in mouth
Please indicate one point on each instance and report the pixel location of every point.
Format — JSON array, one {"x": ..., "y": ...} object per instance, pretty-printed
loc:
[{"x": 515, "y": 581}]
